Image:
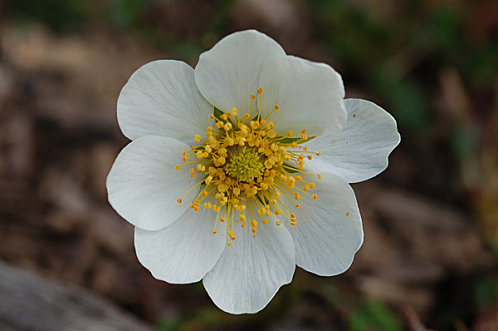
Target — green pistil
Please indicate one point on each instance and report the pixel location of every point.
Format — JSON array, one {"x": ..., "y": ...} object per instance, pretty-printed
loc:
[{"x": 244, "y": 164}]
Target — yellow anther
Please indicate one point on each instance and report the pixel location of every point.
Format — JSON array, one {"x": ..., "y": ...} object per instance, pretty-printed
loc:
[
  {"x": 289, "y": 133},
  {"x": 318, "y": 154},
  {"x": 319, "y": 176},
  {"x": 278, "y": 212},
  {"x": 314, "y": 196},
  {"x": 303, "y": 131},
  {"x": 260, "y": 90},
  {"x": 229, "y": 244},
  {"x": 193, "y": 174},
  {"x": 275, "y": 107},
  {"x": 212, "y": 117},
  {"x": 221, "y": 160},
  {"x": 254, "y": 223},
  {"x": 253, "y": 96},
  {"x": 254, "y": 230},
  {"x": 254, "y": 125},
  {"x": 297, "y": 205},
  {"x": 178, "y": 167},
  {"x": 278, "y": 223},
  {"x": 246, "y": 115},
  {"x": 347, "y": 214},
  {"x": 224, "y": 117},
  {"x": 312, "y": 185},
  {"x": 306, "y": 188},
  {"x": 179, "y": 200},
  {"x": 214, "y": 232},
  {"x": 309, "y": 157},
  {"x": 197, "y": 138},
  {"x": 334, "y": 139},
  {"x": 265, "y": 221},
  {"x": 222, "y": 219}
]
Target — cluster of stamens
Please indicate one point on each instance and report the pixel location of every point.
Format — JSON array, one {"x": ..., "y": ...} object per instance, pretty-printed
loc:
[{"x": 248, "y": 171}]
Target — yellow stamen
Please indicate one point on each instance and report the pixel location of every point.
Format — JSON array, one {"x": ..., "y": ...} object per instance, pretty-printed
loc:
[{"x": 245, "y": 169}]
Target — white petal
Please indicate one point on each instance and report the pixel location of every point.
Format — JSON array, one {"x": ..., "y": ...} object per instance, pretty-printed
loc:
[
  {"x": 325, "y": 238},
  {"x": 161, "y": 98},
  {"x": 184, "y": 251},
  {"x": 228, "y": 73},
  {"x": 143, "y": 184},
  {"x": 249, "y": 273},
  {"x": 309, "y": 95},
  {"x": 361, "y": 150}
]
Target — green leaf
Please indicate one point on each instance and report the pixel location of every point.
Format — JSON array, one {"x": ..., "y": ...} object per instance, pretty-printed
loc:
[
  {"x": 373, "y": 315},
  {"x": 217, "y": 113}
]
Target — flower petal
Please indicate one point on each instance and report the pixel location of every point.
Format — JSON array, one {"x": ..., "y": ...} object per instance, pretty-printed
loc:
[
  {"x": 329, "y": 229},
  {"x": 309, "y": 95},
  {"x": 184, "y": 251},
  {"x": 249, "y": 273},
  {"x": 361, "y": 150},
  {"x": 228, "y": 73},
  {"x": 161, "y": 98},
  {"x": 143, "y": 184}
]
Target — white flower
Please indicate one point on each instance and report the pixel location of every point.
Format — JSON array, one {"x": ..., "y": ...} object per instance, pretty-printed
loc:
[{"x": 238, "y": 170}]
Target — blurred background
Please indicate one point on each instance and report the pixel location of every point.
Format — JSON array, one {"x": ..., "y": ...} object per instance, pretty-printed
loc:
[{"x": 431, "y": 220}]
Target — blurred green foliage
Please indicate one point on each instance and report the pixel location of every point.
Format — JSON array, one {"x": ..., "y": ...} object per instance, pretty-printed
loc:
[
  {"x": 374, "y": 316},
  {"x": 59, "y": 15},
  {"x": 486, "y": 292}
]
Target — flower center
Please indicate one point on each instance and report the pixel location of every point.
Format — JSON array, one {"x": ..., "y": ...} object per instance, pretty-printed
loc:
[
  {"x": 244, "y": 164},
  {"x": 249, "y": 174}
]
